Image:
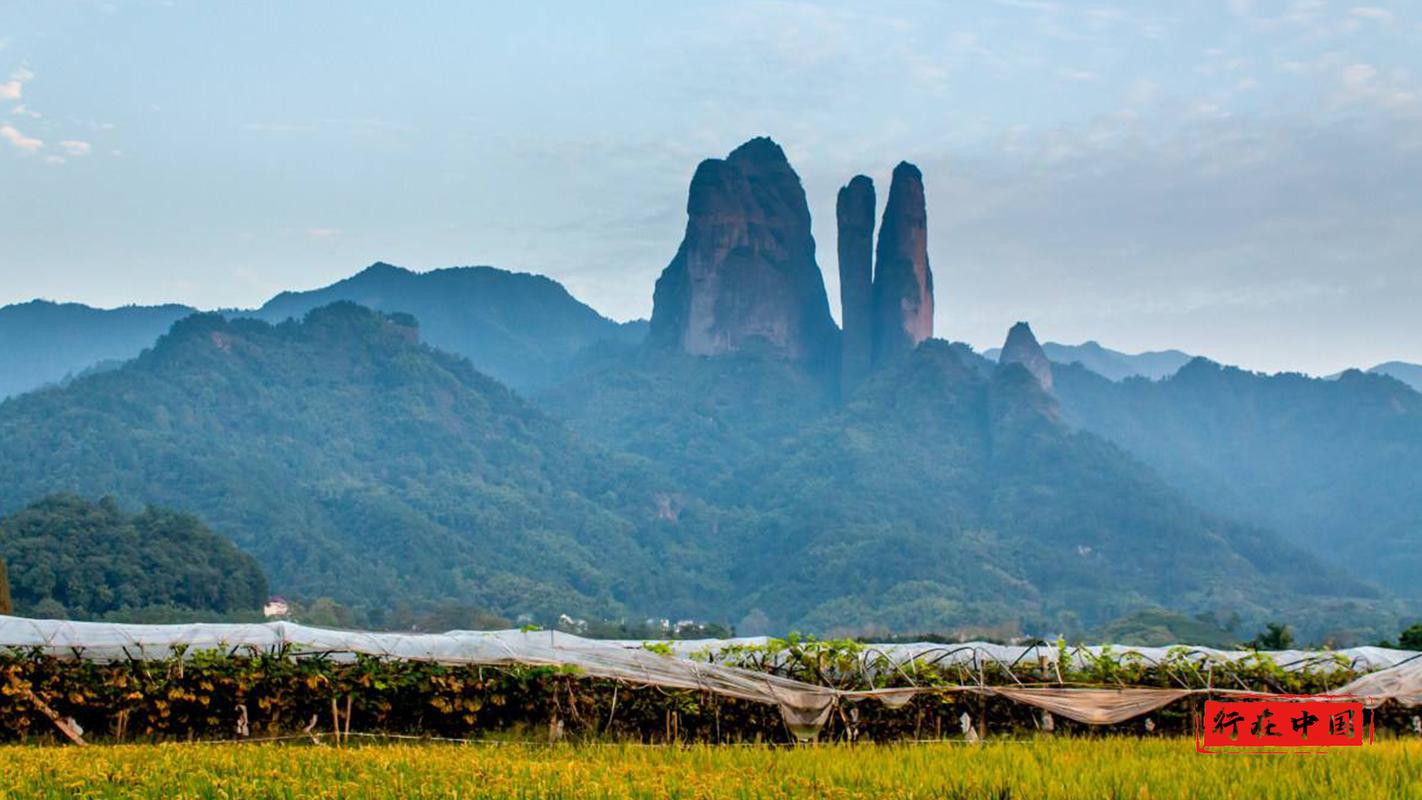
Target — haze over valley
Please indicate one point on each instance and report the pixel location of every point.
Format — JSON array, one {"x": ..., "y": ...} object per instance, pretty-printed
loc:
[{"x": 482, "y": 439}]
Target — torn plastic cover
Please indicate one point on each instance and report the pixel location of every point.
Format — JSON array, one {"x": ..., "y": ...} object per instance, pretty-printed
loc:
[{"x": 805, "y": 707}]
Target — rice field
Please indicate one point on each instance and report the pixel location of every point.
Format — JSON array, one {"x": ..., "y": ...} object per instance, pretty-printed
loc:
[{"x": 1053, "y": 768}]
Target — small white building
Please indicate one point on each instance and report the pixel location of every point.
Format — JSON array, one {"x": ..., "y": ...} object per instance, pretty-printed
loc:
[{"x": 276, "y": 607}]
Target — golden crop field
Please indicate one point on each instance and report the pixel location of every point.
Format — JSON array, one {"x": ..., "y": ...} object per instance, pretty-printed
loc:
[{"x": 1058, "y": 768}]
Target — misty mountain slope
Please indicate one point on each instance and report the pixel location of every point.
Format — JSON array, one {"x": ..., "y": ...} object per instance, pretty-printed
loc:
[
  {"x": 519, "y": 328},
  {"x": 354, "y": 462},
  {"x": 940, "y": 497},
  {"x": 43, "y": 343},
  {"x": 697, "y": 418},
  {"x": 1112, "y": 364},
  {"x": 1410, "y": 374},
  {"x": 1331, "y": 464}
]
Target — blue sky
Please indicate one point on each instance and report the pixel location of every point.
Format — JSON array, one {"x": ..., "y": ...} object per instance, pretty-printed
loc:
[{"x": 1239, "y": 179}]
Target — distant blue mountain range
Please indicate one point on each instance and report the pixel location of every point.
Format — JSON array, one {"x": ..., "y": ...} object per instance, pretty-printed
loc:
[
  {"x": 1113, "y": 364},
  {"x": 1117, "y": 366},
  {"x": 521, "y": 328}
]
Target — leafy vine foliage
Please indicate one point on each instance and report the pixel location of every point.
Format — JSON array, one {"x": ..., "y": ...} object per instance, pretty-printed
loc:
[{"x": 204, "y": 694}]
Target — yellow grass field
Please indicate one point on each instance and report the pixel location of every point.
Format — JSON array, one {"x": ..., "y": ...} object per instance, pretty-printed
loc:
[{"x": 1060, "y": 768}]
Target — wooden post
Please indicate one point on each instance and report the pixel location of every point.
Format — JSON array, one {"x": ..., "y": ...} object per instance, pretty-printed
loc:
[
  {"x": 346, "y": 734},
  {"x": 982, "y": 702},
  {"x": 58, "y": 721},
  {"x": 982, "y": 716},
  {"x": 335, "y": 721}
]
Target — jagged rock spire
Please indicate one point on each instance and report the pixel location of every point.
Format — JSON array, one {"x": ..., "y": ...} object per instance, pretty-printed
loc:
[
  {"x": 903, "y": 282},
  {"x": 745, "y": 274},
  {"x": 854, "y": 212},
  {"x": 1022, "y": 348}
]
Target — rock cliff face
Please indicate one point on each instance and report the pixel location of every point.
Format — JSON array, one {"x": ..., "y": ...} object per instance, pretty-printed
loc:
[
  {"x": 1022, "y": 348},
  {"x": 903, "y": 282},
  {"x": 745, "y": 275},
  {"x": 854, "y": 212}
]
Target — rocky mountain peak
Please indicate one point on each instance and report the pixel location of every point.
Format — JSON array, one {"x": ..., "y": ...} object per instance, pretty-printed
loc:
[
  {"x": 1022, "y": 348},
  {"x": 745, "y": 276},
  {"x": 760, "y": 150},
  {"x": 854, "y": 212},
  {"x": 903, "y": 281}
]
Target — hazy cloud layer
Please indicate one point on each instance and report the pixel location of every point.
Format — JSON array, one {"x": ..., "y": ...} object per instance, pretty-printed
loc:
[{"x": 1238, "y": 178}]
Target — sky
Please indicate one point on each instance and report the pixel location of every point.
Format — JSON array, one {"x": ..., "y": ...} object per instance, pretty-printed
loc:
[{"x": 1236, "y": 179}]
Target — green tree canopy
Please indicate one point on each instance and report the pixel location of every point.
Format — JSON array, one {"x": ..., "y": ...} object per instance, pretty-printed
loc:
[
  {"x": 1411, "y": 638},
  {"x": 72, "y": 557},
  {"x": 1275, "y": 636},
  {"x": 4, "y": 589}
]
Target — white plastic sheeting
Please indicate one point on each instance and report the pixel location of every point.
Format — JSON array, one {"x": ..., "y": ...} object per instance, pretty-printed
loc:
[
  {"x": 972, "y": 654},
  {"x": 1401, "y": 683},
  {"x": 805, "y": 706}
]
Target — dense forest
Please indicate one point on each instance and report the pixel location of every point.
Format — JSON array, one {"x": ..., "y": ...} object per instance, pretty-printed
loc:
[
  {"x": 1332, "y": 464},
  {"x": 945, "y": 490},
  {"x": 356, "y": 463},
  {"x": 6, "y": 605},
  {"x": 70, "y": 557},
  {"x": 947, "y": 494}
]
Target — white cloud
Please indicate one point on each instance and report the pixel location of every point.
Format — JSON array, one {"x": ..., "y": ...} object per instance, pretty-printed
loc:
[
  {"x": 1372, "y": 13},
  {"x": 1363, "y": 84},
  {"x": 1195, "y": 236},
  {"x": 323, "y": 233},
  {"x": 1206, "y": 108},
  {"x": 1077, "y": 74},
  {"x": 20, "y": 141},
  {"x": 54, "y": 159},
  {"x": 1357, "y": 76},
  {"x": 1104, "y": 16},
  {"x": 75, "y": 147},
  {"x": 1141, "y": 92},
  {"x": 14, "y": 88},
  {"x": 278, "y": 127}
]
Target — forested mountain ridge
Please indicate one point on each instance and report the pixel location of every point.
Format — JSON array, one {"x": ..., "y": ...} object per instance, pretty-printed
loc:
[
  {"x": 1334, "y": 464},
  {"x": 43, "y": 343},
  {"x": 697, "y": 418},
  {"x": 740, "y": 458},
  {"x": 353, "y": 461},
  {"x": 1112, "y": 364},
  {"x": 944, "y": 495},
  {"x": 520, "y": 328},
  {"x": 1410, "y": 374}
]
